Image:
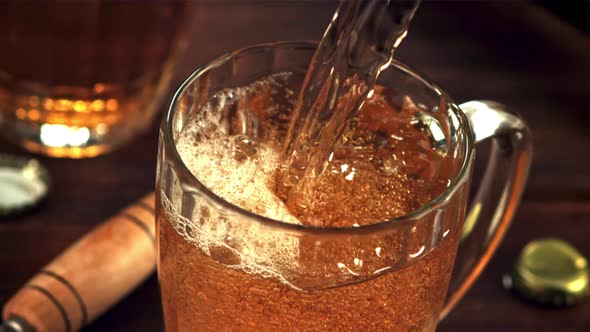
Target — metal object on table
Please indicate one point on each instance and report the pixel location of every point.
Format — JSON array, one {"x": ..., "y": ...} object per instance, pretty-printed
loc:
[
  {"x": 16, "y": 324},
  {"x": 550, "y": 272},
  {"x": 24, "y": 183}
]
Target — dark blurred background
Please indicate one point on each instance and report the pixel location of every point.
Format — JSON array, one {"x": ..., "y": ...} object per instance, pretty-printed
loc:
[{"x": 533, "y": 56}]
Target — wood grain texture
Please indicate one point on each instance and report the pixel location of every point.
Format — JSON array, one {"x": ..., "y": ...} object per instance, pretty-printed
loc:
[{"x": 511, "y": 51}]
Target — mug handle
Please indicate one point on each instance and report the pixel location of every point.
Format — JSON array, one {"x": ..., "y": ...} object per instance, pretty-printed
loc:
[{"x": 498, "y": 195}]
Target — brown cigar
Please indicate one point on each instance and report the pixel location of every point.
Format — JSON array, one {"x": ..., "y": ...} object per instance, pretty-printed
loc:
[{"x": 90, "y": 276}]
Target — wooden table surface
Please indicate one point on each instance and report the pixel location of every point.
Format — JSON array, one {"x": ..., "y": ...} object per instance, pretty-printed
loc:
[{"x": 517, "y": 53}]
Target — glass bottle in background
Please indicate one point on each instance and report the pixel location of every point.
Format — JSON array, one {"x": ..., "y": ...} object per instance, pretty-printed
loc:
[{"x": 77, "y": 79}]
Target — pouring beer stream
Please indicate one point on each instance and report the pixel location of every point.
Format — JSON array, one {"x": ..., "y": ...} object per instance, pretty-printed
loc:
[
  {"x": 110, "y": 261},
  {"x": 106, "y": 264}
]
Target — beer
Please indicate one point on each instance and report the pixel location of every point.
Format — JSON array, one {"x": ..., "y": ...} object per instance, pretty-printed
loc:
[
  {"x": 219, "y": 271},
  {"x": 78, "y": 78},
  {"x": 359, "y": 42}
]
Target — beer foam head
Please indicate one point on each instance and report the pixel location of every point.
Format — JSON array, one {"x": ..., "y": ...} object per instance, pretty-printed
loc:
[
  {"x": 217, "y": 160},
  {"x": 246, "y": 183}
]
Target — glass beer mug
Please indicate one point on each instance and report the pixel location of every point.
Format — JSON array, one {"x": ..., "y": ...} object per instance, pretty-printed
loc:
[
  {"x": 224, "y": 267},
  {"x": 79, "y": 78}
]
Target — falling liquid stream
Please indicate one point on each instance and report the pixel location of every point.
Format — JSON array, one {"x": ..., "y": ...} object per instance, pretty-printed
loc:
[{"x": 358, "y": 43}]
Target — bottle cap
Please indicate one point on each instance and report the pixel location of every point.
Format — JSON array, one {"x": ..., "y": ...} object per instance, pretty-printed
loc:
[
  {"x": 550, "y": 272},
  {"x": 24, "y": 182}
]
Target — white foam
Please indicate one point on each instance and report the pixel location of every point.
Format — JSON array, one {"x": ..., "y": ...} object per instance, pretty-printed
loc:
[{"x": 246, "y": 183}]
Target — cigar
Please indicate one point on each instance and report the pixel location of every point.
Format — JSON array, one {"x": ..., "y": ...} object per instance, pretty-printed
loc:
[{"x": 90, "y": 276}]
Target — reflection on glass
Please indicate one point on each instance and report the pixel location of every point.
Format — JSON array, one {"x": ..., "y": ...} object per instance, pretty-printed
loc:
[
  {"x": 63, "y": 136},
  {"x": 101, "y": 65}
]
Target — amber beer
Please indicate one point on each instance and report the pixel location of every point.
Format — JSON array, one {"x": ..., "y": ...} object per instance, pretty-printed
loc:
[
  {"x": 201, "y": 294},
  {"x": 78, "y": 78},
  {"x": 367, "y": 253}
]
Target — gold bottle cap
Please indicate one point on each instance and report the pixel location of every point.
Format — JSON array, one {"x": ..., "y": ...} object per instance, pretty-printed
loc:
[
  {"x": 550, "y": 272},
  {"x": 24, "y": 183}
]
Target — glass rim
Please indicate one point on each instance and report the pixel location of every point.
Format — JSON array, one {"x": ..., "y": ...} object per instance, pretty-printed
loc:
[{"x": 434, "y": 204}]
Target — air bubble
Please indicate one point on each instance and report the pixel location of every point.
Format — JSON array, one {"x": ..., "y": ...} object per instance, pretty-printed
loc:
[
  {"x": 188, "y": 230},
  {"x": 224, "y": 255},
  {"x": 244, "y": 148}
]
